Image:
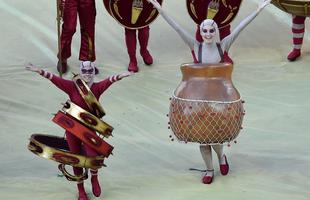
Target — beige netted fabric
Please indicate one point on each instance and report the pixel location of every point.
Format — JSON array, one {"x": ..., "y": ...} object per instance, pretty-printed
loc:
[{"x": 206, "y": 122}]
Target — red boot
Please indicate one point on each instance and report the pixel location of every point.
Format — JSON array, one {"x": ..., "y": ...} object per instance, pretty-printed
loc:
[
  {"x": 133, "y": 65},
  {"x": 131, "y": 43},
  {"x": 224, "y": 168},
  {"x": 143, "y": 36},
  {"x": 208, "y": 177},
  {"x": 82, "y": 193},
  {"x": 293, "y": 55},
  {"x": 95, "y": 184}
]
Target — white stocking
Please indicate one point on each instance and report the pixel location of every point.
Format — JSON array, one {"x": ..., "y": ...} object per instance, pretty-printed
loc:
[
  {"x": 219, "y": 152},
  {"x": 206, "y": 154}
]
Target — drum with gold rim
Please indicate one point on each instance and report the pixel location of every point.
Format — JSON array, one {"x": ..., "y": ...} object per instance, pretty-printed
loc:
[
  {"x": 222, "y": 12},
  {"x": 206, "y": 107},
  {"x": 132, "y": 14},
  {"x": 295, "y": 7}
]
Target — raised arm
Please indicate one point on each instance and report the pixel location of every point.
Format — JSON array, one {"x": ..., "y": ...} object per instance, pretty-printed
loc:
[
  {"x": 64, "y": 85},
  {"x": 105, "y": 84},
  {"x": 227, "y": 41},
  {"x": 188, "y": 39}
]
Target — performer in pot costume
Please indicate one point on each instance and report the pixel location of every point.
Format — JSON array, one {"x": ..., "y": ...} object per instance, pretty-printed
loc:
[
  {"x": 210, "y": 51},
  {"x": 87, "y": 73},
  {"x": 86, "y": 10},
  {"x": 222, "y": 12}
]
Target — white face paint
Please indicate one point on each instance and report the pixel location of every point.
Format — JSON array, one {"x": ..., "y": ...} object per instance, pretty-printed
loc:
[
  {"x": 87, "y": 71},
  {"x": 208, "y": 33}
]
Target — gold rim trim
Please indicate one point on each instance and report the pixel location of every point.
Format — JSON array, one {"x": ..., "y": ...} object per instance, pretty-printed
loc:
[
  {"x": 56, "y": 149},
  {"x": 70, "y": 177},
  {"x": 88, "y": 96},
  {"x": 133, "y": 28},
  {"x": 87, "y": 119}
]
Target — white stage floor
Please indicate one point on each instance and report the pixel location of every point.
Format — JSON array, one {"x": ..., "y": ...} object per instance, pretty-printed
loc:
[{"x": 270, "y": 161}]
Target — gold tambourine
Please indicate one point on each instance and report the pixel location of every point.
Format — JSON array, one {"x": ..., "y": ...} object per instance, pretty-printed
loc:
[
  {"x": 87, "y": 119},
  {"x": 222, "y": 12},
  {"x": 295, "y": 7},
  {"x": 57, "y": 149},
  {"x": 88, "y": 96},
  {"x": 132, "y": 14}
]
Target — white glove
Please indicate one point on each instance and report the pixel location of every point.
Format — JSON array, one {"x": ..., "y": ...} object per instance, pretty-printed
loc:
[
  {"x": 125, "y": 74},
  {"x": 32, "y": 68}
]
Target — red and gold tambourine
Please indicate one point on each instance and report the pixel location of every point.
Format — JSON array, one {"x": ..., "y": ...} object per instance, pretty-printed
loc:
[
  {"x": 222, "y": 12},
  {"x": 87, "y": 119},
  {"x": 132, "y": 14},
  {"x": 295, "y": 7},
  {"x": 88, "y": 96},
  {"x": 57, "y": 149},
  {"x": 85, "y": 134}
]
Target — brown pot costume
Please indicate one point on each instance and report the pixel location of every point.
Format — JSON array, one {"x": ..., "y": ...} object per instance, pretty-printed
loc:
[{"x": 206, "y": 108}]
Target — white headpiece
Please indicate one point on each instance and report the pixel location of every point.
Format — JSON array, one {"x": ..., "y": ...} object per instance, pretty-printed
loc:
[{"x": 211, "y": 22}]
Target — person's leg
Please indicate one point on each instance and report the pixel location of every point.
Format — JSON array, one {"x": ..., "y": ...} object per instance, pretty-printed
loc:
[
  {"x": 298, "y": 30},
  {"x": 94, "y": 173},
  {"x": 87, "y": 16},
  {"x": 75, "y": 147},
  {"x": 143, "y": 36},
  {"x": 224, "y": 167},
  {"x": 131, "y": 43},
  {"x": 68, "y": 30},
  {"x": 206, "y": 154}
]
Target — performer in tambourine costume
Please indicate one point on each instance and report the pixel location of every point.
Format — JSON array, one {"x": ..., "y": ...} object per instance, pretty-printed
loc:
[
  {"x": 210, "y": 51},
  {"x": 87, "y": 73},
  {"x": 86, "y": 11},
  {"x": 298, "y": 30},
  {"x": 131, "y": 43}
]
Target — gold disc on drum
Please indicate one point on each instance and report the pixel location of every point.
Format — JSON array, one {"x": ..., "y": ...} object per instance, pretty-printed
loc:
[
  {"x": 222, "y": 12},
  {"x": 295, "y": 7},
  {"x": 132, "y": 14},
  {"x": 206, "y": 107}
]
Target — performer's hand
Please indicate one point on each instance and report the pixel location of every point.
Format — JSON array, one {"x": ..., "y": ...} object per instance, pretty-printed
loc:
[
  {"x": 125, "y": 74},
  {"x": 263, "y": 4},
  {"x": 155, "y": 4},
  {"x": 32, "y": 68}
]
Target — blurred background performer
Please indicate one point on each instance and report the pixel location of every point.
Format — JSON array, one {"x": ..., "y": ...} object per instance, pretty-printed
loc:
[
  {"x": 135, "y": 16},
  {"x": 299, "y": 9},
  {"x": 298, "y": 30},
  {"x": 86, "y": 11}
]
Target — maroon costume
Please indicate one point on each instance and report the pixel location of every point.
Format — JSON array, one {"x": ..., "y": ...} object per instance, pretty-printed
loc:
[
  {"x": 87, "y": 13},
  {"x": 298, "y": 30},
  {"x": 75, "y": 145},
  {"x": 131, "y": 43}
]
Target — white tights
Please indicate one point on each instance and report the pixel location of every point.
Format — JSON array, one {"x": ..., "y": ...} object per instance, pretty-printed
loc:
[{"x": 206, "y": 154}]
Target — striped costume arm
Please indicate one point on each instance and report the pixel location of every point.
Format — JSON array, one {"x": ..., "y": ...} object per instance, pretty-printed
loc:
[{"x": 46, "y": 74}]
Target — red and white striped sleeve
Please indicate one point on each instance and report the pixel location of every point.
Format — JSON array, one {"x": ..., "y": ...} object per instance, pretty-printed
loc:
[
  {"x": 114, "y": 78},
  {"x": 46, "y": 74}
]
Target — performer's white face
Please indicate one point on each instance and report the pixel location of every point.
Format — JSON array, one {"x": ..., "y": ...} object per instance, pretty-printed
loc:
[
  {"x": 208, "y": 33},
  {"x": 87, "y": 71}
]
